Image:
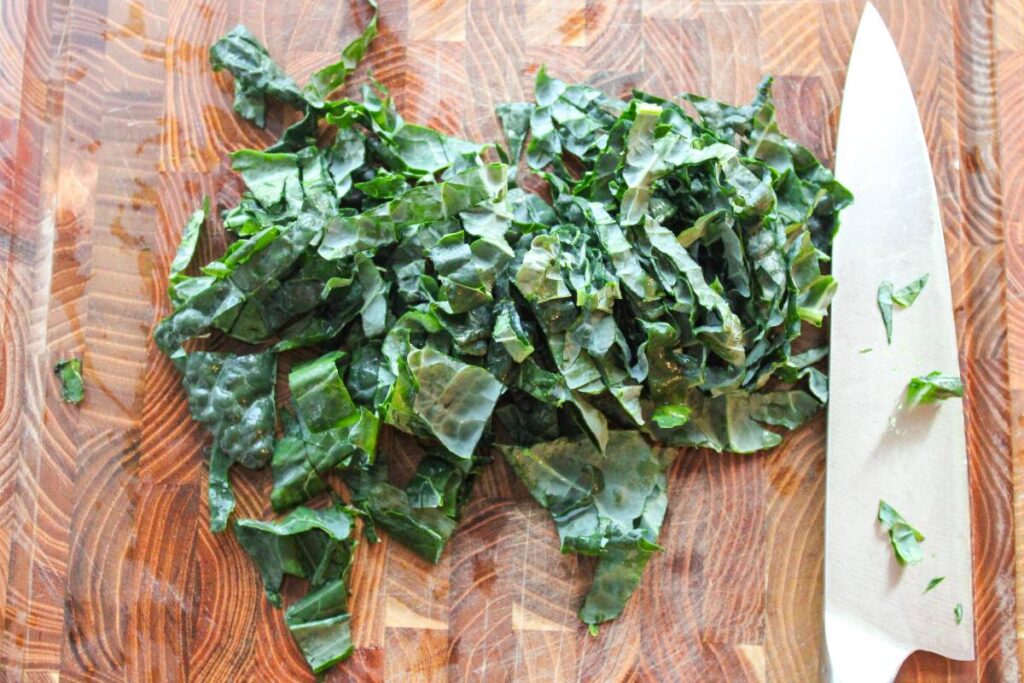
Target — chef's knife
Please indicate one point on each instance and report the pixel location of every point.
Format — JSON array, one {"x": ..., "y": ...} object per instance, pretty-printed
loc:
[{"x": 877, "y": 611}]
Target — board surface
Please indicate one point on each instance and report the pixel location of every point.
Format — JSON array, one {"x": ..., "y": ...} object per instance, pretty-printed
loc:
[{"x": 113, "y": 127}]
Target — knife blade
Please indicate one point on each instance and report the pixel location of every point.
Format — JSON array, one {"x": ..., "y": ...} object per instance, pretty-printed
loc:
[{"x": 875, "y": 611}]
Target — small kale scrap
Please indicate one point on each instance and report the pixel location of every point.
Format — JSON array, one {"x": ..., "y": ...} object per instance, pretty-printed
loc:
[
  {"x": 654, "y": 294},
  {"x": 905, "y": 539},
  {"x": 935, "y": 386},
  {"x": 186, "y": 251},
  {"x": 69, "y": 372},
  {"x": 903, "y": 297}
]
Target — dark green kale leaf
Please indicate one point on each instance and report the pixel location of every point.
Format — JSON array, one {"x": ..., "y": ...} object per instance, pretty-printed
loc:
[
  {"x": 422, "y": 517},
  {"x": 906, "y": 296},
  {"x": 214, "y": 303},
  {"x": 515, "y": 121},
  {"x": 334, "y": 428},
  {"x": 905, "y": 539},
  {"x": 607, "y": 504},
  {"x": 736, "y": 422},
  {"x": 328, "y": 431},
  {"x": 295, "y": 477},
  {"x": 659, "y": 285},
  {"x": 273, "y": 179},
  {"x": 219, "y": 493},
  {"x": 935, "y": 386},
  {"x": 257, "y": 76},
  {"x": 316, "y": 545},
  {"x": 233, "y": 396},
  {"x": 319, "y": 623},
  {"x": 384, "y": 186},
  {"x": 416, "y": 151},
  {"x": 331, "y": 77},
  {"x": 183, "y": 257},
  {"x": 383, "y": 225},
  {"x": 902, "y": 297},
  {"x": 72, "y": 388},
  {"x": 573, "y": 119},
  {"x": 233, "y": 295},
  {"x": 437, "y": 395},
  {"x": 310, "y": 544}
]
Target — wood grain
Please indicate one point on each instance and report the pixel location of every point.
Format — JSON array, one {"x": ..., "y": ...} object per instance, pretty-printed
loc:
[{"x": 112, "y": 128}]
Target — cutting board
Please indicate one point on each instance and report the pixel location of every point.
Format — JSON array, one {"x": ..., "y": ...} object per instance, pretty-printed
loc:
[{"x": 113, "y": 127}]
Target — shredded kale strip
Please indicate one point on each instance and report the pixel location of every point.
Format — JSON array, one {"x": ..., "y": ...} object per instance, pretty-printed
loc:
[
  {"x": 935, "y": 386},
  {"x": 423, "y": 516},
  {"x": 656, "y": 293},
  {"x": 318, "y": 546},
  {"x": 72, "y": 387},
  {"x": 220, "y": 495},
  {"x": 186, "y": 251},
  {"x": 904, "y": 297},
  {"x": 905, "y": 539}
]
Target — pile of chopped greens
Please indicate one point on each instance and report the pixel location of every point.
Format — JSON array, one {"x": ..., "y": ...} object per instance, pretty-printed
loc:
[{"x": 652, "y": 293}]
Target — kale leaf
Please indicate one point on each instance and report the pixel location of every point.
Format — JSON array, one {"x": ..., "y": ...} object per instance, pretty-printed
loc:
[
  {"x": 903, "y": 297},
  {"x": 422, "y": 517},
  {"x": 905, "y": 539},
  {"x": 316, "y": 545},
  {"x": 233, "y": 396},
  {"x": 257, "y": 76},
  {"x": 906, "y": 296},
  {"x": 935, "y": 386},
  {"x": 331, "y": 77},
  {"x": 186, "y": 251},
  {"x": 608, "y": 504},
  {"x": 219, "y": 493},
  {"x": 69, "y": 372}
]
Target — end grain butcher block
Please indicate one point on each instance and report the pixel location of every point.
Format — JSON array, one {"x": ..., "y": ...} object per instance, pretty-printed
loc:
[{"x": 112, "y": 128}]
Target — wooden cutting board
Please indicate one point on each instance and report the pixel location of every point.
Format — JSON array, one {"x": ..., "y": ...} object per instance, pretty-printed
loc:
[{"x": 112, "y": 128}]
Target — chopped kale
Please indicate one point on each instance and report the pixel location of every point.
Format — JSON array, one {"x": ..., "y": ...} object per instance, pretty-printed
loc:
[
  {"x": 935, "y": 386},
  {"x": 905, "y": 539},
  {"x": 903, "y": 297},
  {"x": 656, "y": 290},
  {"x": 69, "y": 372},
  {"x": 233, "y": 396},
  {"x": 316, "y": 545},
  {"x": 608, "y": 504}
]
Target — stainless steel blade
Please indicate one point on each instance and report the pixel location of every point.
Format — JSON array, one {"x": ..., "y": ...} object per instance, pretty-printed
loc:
[{"x": 876, "y": 612}]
